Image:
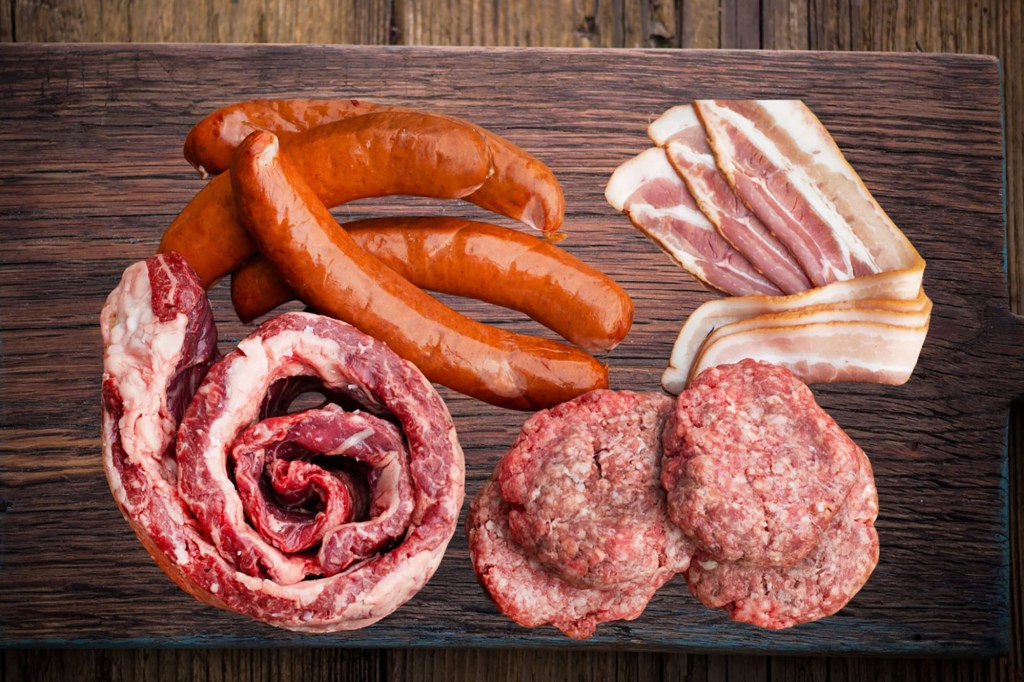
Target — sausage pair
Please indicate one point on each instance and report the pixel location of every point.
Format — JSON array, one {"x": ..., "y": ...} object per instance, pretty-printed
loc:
[
  {"x": 327, "y": 268},
  {"x": 343, "y": 160},
  {"x": 472, "y": 260},
  {"x": 351, "y": 149},
  {"x": 520, "y": 187}
]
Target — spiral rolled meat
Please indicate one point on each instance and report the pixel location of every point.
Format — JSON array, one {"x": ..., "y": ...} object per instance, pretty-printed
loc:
[{"x": 321, "y": 520}]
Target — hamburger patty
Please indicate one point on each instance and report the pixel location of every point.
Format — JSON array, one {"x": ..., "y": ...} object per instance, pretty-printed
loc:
[
  {"x": 754, "y": 468},
  {"x": 571, "y": 529},
  {"x": 817, "y": 586},
  {"x": 582, "y": 484}
]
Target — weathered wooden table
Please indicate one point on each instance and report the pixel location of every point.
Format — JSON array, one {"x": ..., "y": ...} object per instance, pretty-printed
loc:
[{"x": 988, "y": 28}]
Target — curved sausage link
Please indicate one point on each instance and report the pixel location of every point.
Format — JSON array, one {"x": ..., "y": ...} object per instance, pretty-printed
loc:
[
  {"x": 212, "y": 141},
  {"x": 475, "y": 260},
  {"x": 522, "y": 187},
  {"x": 375, "y": 155},
  {"x": 331, "y": 273}
]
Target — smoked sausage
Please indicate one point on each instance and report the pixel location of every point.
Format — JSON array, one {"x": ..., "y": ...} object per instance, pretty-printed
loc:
[
  {"x": 521, "y": 186},
  {"x": 297, "y": 233},
  {"x": 212, "y": 141},
  {"x": 475, "y": 260},
  {"x": 374, "y": 155}
]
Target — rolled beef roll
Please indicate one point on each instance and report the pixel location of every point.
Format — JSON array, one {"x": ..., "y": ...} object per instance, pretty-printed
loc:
[{"x": 321, "y": 520}]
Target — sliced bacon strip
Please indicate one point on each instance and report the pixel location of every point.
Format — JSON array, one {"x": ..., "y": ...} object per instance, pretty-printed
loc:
[
  {"x": 901, "y": 285},
  {"x": 682, "y": 135},
  {"x": 784, "y": 164},
  {"x": 868, "y": 317},
  {"x": 869, "y": 341},
  {"x": 657, "y": 202}
]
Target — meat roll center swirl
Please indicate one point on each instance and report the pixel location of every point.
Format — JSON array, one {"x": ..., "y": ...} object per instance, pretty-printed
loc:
[{"x": 327, "y": 479}]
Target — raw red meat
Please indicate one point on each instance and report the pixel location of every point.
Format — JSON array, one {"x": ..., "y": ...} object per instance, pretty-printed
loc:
[
  {"x": 384, "y": 524},
  {"x": 572, "y": 529},
  {"x": 817, "y": 586},
  {"x": 527, "y": 592},
  {"x": 754, "y": 468}
]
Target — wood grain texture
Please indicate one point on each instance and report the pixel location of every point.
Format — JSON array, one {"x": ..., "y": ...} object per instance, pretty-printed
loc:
[
  {"x": 536, "y": 23},
  {"x": 985, "y": 26},
  {"x": 938, "y": 443},
  {"x": 1007, "y": 41},
  {"x": 6, "y": 21},
  {"x": 784, "y": 25},
  {"x": 741, "y": 24},
  {"x": 275, "y": 21},
  {"x": 218, "y": 665},
  {"x": 700, "y": 24},
  {"x": 510, "y": 665}
]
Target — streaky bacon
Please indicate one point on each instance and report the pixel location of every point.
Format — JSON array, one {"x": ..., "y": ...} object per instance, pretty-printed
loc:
[
  {"x": 867, "y": 318},
  {"x": 682, "y": 135},
  {"x": 658, "y": 203},
  {"x": 788, "y": 170},
  {"x": 900, "y": 290},
  {"x": 867, "y": 341}
]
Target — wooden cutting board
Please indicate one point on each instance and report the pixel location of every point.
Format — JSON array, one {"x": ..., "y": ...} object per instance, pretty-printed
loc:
[{"x": 92, "y": 172}]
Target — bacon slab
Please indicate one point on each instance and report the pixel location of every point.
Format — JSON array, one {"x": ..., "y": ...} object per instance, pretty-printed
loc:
[
  {"x": 755, "y": 152},
  {"x": 657, "y": 202},
  {"x": 866, "y": 317},
  {"x": 682, "y": 135}
]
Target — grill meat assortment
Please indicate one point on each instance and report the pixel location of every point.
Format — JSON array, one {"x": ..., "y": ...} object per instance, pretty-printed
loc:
[
  {"x": 764, "y": 504},
  {"x": 330, "y": 518}
]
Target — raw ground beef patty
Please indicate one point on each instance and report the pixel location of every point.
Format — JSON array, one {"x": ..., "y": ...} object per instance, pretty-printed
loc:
[
  {"x": 571, "y": 529},
  {"x": 754, "y": 468},
  {"x": 817, "y": 586}
]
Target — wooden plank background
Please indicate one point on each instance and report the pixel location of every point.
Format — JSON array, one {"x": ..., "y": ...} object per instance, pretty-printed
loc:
[
  {"x": 992, "y": 27},
  {"x": 91, "y": 174}
]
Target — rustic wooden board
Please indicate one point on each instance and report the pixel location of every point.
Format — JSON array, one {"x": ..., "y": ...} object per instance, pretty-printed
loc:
[{"x": 92, "y": 173}]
